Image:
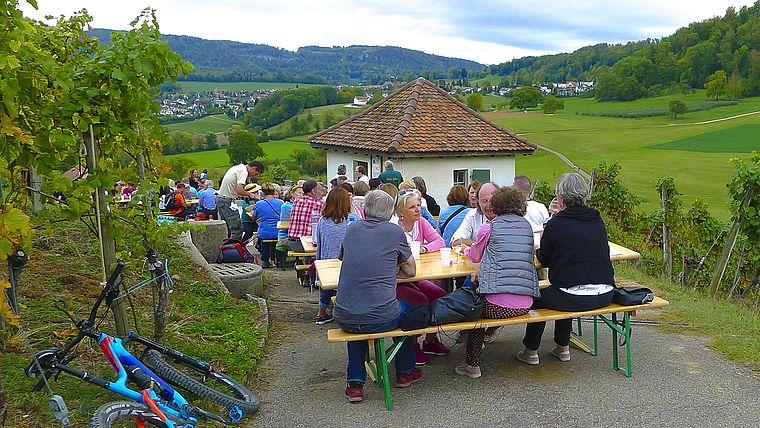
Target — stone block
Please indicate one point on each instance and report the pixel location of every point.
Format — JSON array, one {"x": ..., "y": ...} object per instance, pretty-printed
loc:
[
  {"x": 240, "y": 278},
  {"x": 208, "y": 242}
]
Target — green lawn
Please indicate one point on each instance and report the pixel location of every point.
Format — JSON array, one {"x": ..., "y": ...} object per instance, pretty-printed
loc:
[
  {"x": 237, "y": 86},
  {"x": 272, "y": 150},
  {"x": 215, "y": 124},
  {"x": 743, "y": 138}
]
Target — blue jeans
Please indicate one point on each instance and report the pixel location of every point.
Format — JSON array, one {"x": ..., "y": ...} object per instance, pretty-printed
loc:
[
  {"x": 325, "y": 296},
  {"x": 405, "y": 360}
]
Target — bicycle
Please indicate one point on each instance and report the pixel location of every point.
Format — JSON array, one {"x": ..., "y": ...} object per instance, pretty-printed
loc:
[{"x": 156, "y": 402}]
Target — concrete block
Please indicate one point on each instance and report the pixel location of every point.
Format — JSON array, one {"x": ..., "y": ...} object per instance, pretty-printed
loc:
[
  {"x": 240, "y": 278},
  {"x": 207, "y": 242}
]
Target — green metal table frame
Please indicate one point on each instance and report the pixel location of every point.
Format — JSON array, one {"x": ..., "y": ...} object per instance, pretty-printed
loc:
[{"x": 383, "y": 357}]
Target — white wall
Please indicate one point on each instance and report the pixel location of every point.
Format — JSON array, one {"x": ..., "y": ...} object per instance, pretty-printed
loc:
[
  {"x": 439, "y": 176},
  {"x": 337, "y": 158}
]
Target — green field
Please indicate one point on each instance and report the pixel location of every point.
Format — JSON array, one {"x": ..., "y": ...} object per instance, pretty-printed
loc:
[
  {"x": 589, "y": 140},
  {"x": 743, "y": 138},
  {"x": 216, "y": 123},
  {"x": 219, "y": 158},
  {"x": 237, "y": 86}
]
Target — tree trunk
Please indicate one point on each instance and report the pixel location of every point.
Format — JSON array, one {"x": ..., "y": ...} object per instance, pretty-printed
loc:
[
  {"x": 108, "y": 246},
  {"x": 157, "y": 268},
  {"x": 667, "y": 253}
]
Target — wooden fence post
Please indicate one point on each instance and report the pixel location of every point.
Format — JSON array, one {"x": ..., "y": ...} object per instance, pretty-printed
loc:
[
  {"x": 720, "y": 266},
  {"x": 667, "y": 251}
]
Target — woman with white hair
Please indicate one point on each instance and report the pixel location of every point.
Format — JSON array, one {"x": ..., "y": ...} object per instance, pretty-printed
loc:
[
  {"x": 575, "y": 248},
  {"x": 373, "y": 253}
]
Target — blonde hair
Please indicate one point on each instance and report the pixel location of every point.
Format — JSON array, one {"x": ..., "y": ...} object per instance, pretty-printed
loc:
[{"x": 407, "y": 185}]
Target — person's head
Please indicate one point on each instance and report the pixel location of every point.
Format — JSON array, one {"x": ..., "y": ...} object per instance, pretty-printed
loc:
[
  {"x": 311, "y": 187},
  {"x": 341, "y": 169},
  {"x": 338, "y": 205},
  {"x": 360, "y": 188},
  {"x": 254, "y": 168},
  {"x": 420, "y": 183},
  {"x": 472, "y": 191},
  {"x": 485, "y": 192},
  {"x": 184, "y": 180},
  {"x": 183, "y": 188},
  {"x": 457, "y": 196},
  {"x": 406, "y": 185},
  {"x": 508, "y": 200},
  {"x": 293, "y": 193},
  {"x": 408, "y": 205},
  {"x": 342, "y": 179},
  {"x": 389, "y": 189},
  {"x": 361, "y": 171},
  {"x": 388, "y": 164},
  {"x": 193, "y": 173},
  {"x": 571, "y": 189},
  {"x": 131, "y": 185},
  {"x": 374, "y": 183},
  {"x": 378, "y": 205},
  {"x": 209, "y": 183},
  {"x": 348, "y": 188},
  {"x": 322, "y": 190},
  {"x": 523, "y": 184},
  {"x": 268, "y": 189}
]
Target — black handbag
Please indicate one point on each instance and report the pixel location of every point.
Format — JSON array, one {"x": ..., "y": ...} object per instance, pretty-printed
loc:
[
  {"x": 417, "y": 317},
  {"x": 629, "y": 296},
  {"x": 464, "y": 304}
]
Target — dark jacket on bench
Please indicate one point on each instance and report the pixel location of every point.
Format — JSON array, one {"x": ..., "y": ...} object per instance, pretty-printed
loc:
[
  {"x": 507, "y": 265},
  {"x": 575, "y": 248}
]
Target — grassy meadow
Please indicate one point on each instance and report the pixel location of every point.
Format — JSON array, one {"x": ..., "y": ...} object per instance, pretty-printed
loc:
[
  {"x": 219, "y": 159},
  {"x": 216, "y": 123}
]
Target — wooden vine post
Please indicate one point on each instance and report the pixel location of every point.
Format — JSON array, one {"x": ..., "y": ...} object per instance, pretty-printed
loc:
[
  {"x": 667, "y": 250},
  {"x": 720, "y": 266}
]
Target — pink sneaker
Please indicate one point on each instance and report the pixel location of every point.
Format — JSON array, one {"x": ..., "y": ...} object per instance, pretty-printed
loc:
[
  {"x": 419, "y": 356},
  {"x": 435, "y": 348},
  {"x": 468, "y": 370}
]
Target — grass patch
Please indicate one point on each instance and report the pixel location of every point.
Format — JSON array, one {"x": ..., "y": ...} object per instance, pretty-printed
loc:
[
  {"x": 216, "y": 123},
  {"x": 272, "y": 150},
  {"x": 739, "y": 139},
  {"x": 239, "y": 86},
  {"x": 201, "y": 321}
]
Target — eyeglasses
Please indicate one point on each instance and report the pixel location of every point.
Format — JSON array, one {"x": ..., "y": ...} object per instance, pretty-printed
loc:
[{"x": 404, "y": 192}]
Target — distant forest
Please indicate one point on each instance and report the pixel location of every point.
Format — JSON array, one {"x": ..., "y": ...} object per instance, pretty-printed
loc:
[
  {"x": 227, "y": 61},
  {"x": 688, "y": 57}
]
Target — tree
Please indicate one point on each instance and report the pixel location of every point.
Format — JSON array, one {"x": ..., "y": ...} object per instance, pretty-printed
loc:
[
  {"x": 552, "y": 104},
  {"x": 717, "y": 84},
  {"x": 463, "y": 73},
  {"x": 606, "y": 88},
  {"x": 677, "y": 107},
  {"x": 243, "y": 147},
  {"x": 475, "y": 102},
  {"x": 454, "y": 73},
  {"x": 630, "y": 89},
  {"x": 526, "y": 97}
]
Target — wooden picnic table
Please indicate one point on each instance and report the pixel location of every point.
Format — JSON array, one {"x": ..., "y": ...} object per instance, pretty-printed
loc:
[
  {"x": 308, "y": 246},
  {"x": 283, "y": 225}
]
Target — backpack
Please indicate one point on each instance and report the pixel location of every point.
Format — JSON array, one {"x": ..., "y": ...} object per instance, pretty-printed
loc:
[
  {"x": 171, "y": 203},
  {"x": 233, "y": 250}
]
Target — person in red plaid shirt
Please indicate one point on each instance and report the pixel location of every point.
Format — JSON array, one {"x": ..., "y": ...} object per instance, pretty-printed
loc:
[{"x": 300, "y": 214}]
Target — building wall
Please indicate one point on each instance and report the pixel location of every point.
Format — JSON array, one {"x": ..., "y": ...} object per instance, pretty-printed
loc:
[{"x": 437, "y": 172}]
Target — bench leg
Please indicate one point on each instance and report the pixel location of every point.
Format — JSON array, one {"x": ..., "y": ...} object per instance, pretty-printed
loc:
[
  {"x": 382, "y": 371},
  {"x": 625, "y": 331}
]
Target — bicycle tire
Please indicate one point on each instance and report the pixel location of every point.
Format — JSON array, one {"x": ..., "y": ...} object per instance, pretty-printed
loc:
[
  {"x": 244, "y": 399},
  {"x": 110, "y": 413}
]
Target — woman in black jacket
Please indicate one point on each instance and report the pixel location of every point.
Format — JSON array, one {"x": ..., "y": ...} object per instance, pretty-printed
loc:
[
  {"x": 432, "y": 205},
  {"x": 575, "y": 248}
]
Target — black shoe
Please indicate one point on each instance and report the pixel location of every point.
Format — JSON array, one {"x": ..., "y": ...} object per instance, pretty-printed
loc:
[{"x": 265, "y": 265}]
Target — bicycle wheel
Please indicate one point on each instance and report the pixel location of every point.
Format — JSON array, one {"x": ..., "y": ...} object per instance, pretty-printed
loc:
[
  {"x": 238, "y": 395},
  {"x": 126, "y": 413}
]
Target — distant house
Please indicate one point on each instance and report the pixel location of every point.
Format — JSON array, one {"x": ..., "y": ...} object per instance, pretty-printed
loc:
[
  {"x": 426, "y": 132},
  {"x": 361, "y": 101}
]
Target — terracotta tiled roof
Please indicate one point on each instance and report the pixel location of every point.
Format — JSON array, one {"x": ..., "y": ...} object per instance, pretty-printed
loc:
[{"x": 421, "y": 119}]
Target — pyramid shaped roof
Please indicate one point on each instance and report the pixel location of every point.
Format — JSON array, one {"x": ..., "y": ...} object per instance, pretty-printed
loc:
[{"x": 421, "y": 119}]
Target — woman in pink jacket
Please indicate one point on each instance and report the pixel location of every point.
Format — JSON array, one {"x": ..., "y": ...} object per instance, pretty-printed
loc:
[{"x": 408, "y": 210}]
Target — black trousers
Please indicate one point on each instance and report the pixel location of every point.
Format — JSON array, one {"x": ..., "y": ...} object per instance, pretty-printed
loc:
[{"x": 555, "y": 298}]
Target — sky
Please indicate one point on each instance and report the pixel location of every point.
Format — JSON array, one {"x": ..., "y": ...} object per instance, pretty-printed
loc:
[{"x": 489, "y": 32}]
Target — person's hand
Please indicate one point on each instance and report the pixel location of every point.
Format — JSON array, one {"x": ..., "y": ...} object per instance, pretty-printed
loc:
[
  {"x": 474, "y": 277},
  {"x": 556, "y": 206}
]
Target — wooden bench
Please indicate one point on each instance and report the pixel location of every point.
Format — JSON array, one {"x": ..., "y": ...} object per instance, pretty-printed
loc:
[
  {"x": 302, "y": 266},
  {"x": 384, "y": 356}
]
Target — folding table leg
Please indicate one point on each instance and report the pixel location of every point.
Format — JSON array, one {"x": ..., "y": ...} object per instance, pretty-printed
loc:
[{"x": 382, "y": 371}]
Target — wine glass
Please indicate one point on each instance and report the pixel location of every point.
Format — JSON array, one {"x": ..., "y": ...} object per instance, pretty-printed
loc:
[{"x": 457, "y": 249}]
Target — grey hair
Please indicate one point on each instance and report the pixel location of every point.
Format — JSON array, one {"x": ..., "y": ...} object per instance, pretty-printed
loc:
[
  {"x": 572, "y": 188},
  {"x": 388, "y": 164},
  {"x": 209, "y": 183},
  {"x": 477, "y": 207},
  {"x": 378, "y": 205},
  {"x": 403, "y": 195}
]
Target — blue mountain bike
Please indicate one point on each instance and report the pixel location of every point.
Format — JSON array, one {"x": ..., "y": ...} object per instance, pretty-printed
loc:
[{"x": 155, "y": 401}]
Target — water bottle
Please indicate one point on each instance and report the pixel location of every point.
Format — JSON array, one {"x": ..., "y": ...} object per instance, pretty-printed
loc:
[{"x": 315, "y": 216}]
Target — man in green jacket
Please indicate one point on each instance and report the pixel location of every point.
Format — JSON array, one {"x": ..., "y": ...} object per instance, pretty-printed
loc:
[{"x": 391, "y": 175}]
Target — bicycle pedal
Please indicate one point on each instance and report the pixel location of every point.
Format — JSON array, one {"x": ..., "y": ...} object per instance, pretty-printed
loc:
[{"x": 236, "y": 414}]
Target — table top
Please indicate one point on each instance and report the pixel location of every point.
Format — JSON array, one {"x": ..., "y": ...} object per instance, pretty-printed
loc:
[
  {"x": 307, "y": 244},
  {"x": 429, "y": 266},
  {"x": 282, "y": 225}
]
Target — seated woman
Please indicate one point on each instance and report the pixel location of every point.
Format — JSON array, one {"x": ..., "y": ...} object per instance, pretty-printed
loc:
[
  {"x": 373, "y": 251},
  {"x": 408, "y": 211},
  {"x": 451, "y": 217},
  {"x": 507, "y": 276},
  {"x": 574, "y": 247},
  {"x": 336, "y": 216},
  {"x": 406, "y": 185},
  {"x": 267, "y": 213}
]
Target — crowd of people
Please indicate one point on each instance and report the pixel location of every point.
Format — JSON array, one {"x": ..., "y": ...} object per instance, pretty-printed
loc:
[{"x": 370, "y": 225}]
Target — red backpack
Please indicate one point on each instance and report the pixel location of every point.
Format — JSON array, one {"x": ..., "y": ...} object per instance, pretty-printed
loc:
[{"x": 233, "y": 250}]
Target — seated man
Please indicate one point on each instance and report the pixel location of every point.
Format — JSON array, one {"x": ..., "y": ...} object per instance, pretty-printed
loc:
[
  {"x": 207, "y": 199},
  {"x": 373, "y": 251},
  {"x": 178, "y": 207}
]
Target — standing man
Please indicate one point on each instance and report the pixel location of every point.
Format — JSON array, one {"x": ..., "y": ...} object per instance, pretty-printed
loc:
[
  {"x": 535, "y": 212},
  {"x": 300, "y": 214},
  {"x": 232, "y": 188},
  {"x": 391, "y": 175}
]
